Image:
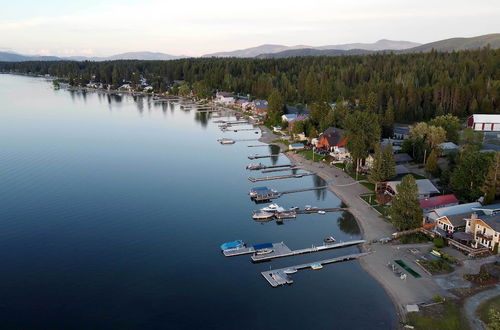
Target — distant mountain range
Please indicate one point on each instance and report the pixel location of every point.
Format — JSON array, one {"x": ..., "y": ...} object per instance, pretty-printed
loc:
[
  {"x": 281, "y": 51},
  {"x": 147, "y": 56},
  {"x": 383, "y": 44}
]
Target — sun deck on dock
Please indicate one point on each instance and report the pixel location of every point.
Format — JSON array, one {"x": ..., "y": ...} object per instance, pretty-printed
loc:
[{"x": 279, "y": 277}]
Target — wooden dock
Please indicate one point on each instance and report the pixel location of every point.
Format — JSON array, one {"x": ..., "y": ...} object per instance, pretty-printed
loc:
[
  {"x": 262, "y": 167},
  {"x": 282, "y": 276},
  {"x": 280, "y": 250},
  {"x": 263, "y": 156},
  {"x": 278, "y": 177},
  {"x": 277, "y": 194},
  {"x": 281, "y": 169},
  {"x": 314, "y": 210},
  {"x": 258, "y": 145}
]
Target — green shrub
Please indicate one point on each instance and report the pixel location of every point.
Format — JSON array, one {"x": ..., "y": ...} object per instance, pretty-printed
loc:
[
  {"x": 438, "y": 242},
  {"x": 438, "y": 299}
]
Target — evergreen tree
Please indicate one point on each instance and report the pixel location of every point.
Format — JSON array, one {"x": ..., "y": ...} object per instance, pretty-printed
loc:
[
  {"x": 377, "y": 173},
  {"x": 389, "y": 164},
  {"x": 275, "y": 108},
  {"x": 405, "y": 210},
  {"x": 491, "y": 188},
  {"x": 362, "y": 132}
]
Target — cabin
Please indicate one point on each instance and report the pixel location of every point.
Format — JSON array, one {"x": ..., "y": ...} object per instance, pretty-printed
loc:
[
  {"x": 484, "y": 122},
  {"x": 225, "y": 98},
  {"x": 484, "y": 227},
  {"x": 436, "y": 202},
  {"x": 425, "y": 188},
  {"x": 331, "y": 139}
]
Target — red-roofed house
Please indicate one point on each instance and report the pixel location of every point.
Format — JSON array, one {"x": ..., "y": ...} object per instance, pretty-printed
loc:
[
  {"x": 437, "y": 202},
  {"x": 331, "y": 139}
]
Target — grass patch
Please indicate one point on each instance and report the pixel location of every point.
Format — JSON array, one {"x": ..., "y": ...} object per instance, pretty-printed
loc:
[
  {"x": 484, "y": 310},
  {"x": 438, "y": 266},
  {"x": 382, "y": 209},
  {"x": 283, "y": 141},
  {"x": 446, "y": 316},
  {"x": 413, "y": 238},
  {"x": 368, "y": 185},
  {"x": 370, "y": 199},
  {"x": 308, "y": 154},
  {"x": 339, "y": 165}
]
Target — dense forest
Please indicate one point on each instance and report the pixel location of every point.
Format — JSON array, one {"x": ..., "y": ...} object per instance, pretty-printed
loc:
[{"x": 413, "y": 87}]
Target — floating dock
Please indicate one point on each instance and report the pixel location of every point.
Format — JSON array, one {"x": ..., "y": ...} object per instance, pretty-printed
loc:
[
  {"x": 262, "y": 156},
  {"x": 281, "y": 276},
  {"x": 281, "y": 169},
  {"x": 277, "y": 177},
  {"x": 262, "y": 194},
  {"x": 260, "y": 166}
]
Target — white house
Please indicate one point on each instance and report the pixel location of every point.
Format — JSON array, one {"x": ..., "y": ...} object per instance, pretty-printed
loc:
[
  {"x": 225, "y": 98},
  {"x": 484, "y": 122}
]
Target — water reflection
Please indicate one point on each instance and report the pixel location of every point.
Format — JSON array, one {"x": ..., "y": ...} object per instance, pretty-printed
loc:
[
  {"x": 318, "y": 182},
  {"x": 274, "y": 150},
  {"x": 202, "y": 118},
  {"x": 348, "y": 224}
]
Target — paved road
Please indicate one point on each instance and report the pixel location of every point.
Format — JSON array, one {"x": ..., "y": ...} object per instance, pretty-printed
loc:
[{"x": 472, "y": 303}]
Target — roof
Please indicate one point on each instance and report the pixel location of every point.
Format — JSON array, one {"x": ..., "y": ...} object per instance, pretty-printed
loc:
[
  {"x": 261, "y": 190},
  {"x": 425, "y": 186},
  {"x": 225, "y": 94},
  {"x": 334, "y": 137},
  {"x": 488, "y": 209},
  {"x": 290, "y": 115},
  {"x": 491, "y": 220},
  {"x": 297, "y": 145},
  {"x": 401, "y": 169},
  {"x": 260, "y": 104},
  {"x": 402, "y": 158},
  {"x": 401, "y": 130},
  {"x": 457, "y": 220},
  {"x": 292, "y": 109},
  {"x": 436, "y": 201},
  {"x": 448, "y": 146},
  {"x": 460, "y": 235},
  {"x": 456, "y": 209},
  {"x": 483, "y": 118}
]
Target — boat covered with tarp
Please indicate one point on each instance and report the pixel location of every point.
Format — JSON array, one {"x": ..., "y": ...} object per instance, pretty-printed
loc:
[{"x": 232, "y": 245}]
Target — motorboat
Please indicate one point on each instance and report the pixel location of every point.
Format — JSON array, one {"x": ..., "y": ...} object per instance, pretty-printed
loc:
[
  {"x": 329, "y": 239},
  {"x": 226, "y": 141},
  {"x": 321, "y": 212},
  {"x": 238, "y": 244},
  {"x": 294, "y": 208},
  {"x": 272, "y": 208},
  {"x": 316, "y": 266},
  {"x": 263, "y": 251},
  {"x": 262, "y": 215},
  {"x": 290, "y": 271},
  {"x": 308, "y": 207},
  {"x": 255, "y": 166}
]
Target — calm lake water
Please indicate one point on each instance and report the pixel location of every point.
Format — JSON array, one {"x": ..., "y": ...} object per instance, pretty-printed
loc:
[{"x": 112, "y": 210}]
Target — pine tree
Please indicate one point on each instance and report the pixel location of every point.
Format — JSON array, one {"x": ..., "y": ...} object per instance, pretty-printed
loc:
[
  {"x": 405, "y": 210},
  {"x": 275, "y": 108},
  {"x": 389, "y": 164},
  {"x": 377, "y": 173},
  {"x": 432, "y": 166},
  {"x": 491, "y": 188}
]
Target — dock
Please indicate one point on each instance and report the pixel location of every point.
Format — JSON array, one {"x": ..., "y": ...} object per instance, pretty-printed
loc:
[
  {"x": 280, "y": 250},
  {"x": 258, "y": 145},
  {"x": 282, "y": 276},
  {"x": 314, "y": 210},
  {"x": 278, "y": 177},
  {"x": 262, "y": 156},
  {"x": 269, "y": 194},
  {"x": 281, "y": 169},
  {"x": 258, "y": 167}
]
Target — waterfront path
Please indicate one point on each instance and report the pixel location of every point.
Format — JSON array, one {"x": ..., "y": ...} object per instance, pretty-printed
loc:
[{"x": 472, "y": 303}]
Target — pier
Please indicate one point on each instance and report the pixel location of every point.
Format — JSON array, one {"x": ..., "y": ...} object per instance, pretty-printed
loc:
[
  {"x": 278, "y": 177},
  {"x": 262, "y": 156},
  {"x": 260, "y": 166},
  {"x": 281, "y": 169},
  {"x": 281, "y": 276},
  {"x": 262, "y": 195},
  {"x": 258, "y": 145}
]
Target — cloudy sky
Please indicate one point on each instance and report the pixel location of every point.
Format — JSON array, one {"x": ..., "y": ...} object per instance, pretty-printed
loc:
[{"x": 100, "y": 27}]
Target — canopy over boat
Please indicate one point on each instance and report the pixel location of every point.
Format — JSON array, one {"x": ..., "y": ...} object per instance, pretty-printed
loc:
[{"x": 262, "y": 246}]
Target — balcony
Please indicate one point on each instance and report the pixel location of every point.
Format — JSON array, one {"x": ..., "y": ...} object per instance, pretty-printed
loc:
[{"x": 487, "y": 237}]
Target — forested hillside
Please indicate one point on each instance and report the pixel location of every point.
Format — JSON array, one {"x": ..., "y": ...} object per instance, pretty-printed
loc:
[{"x": 413, "y": 87}]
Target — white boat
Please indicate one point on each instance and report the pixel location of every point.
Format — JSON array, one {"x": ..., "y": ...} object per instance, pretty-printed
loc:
[
  {"x": 321, "y": 212},
  {"x": 329, "y": 239},
  {"x": 226, "y": 141},
  {"x": 290, "y": 271},
  {"x": 264, "y": 251},
  {"x": 272, "y": 208},
  {"x": 260, "y": 215},
  {"x": 308, "y": 207},
  {"x": 254, "y": 166}
]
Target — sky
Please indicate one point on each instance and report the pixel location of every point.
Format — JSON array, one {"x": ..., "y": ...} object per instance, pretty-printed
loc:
[{"x": 197, "y": 27}]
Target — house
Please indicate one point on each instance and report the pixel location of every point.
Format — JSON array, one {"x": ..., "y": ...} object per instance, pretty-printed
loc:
[
  {"x": 296, "y": 146},
  {"x": 340, "y": 155},
  {"x": 401, "y": 133},
  {"x": 484, "y": 123},
  {"x": 448, "y": 224},
  {"x": 300, "y": 136},
  {"x": 260, "y": 107},
  {"x": 291, "y": 109},
  {"x": 401, "y": 170},
  {"x": 425, "y": 188},
  {"x": 448, "y": 148},
  {"x": 331, "y": 139},
  {"x": 437, "y": 202},
  {"x": 225, "y": 98},
  {"x": 433, "y": 215},
  {"x": 288, "y": 117},
  {"x": 484, "y": 226},
  {"x": 402, "y": 158}
]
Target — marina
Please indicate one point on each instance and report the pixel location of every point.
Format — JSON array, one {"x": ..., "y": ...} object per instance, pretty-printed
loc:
[{"x": 278, "y": 277}]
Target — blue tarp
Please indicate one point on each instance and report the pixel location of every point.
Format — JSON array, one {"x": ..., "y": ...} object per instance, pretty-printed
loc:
[
  {"x": 232, "y": 245},
  {"x": 262, "y": 246}
]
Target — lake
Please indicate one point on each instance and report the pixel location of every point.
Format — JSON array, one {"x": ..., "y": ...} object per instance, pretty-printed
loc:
[{"x": 113, "y": 208}]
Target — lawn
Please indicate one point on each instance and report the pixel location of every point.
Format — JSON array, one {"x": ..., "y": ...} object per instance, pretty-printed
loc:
[
  {"x": 370, "y": 199},
  {"x": 308, "y": 154},
  {"x": 438, "y": 266},
  {"x": 368, "y": 185},
  {"x": 447, "y": 316},
  {"x": 285, "y": 142},
  {"x": 483, "y": 310}
]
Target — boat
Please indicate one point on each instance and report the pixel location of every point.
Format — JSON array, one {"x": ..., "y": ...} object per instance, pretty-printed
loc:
[
  {"x": 272, "y": 208},
  {"x": 321, "y": 212},
  {"x": 264, "y": 251},
  {"x": 262, "y": 215},
  {"x": 329, "y": 239},
  {"x": 226, "y": 141},
  {"x": 286, "y": 215},
  {"x": 316, "y": 266},
  {"x": 290, "y": 271},
  {"x": 294, "y": 208},
  {"x": 238, "y": 244},
  {"x": 308, "y": 207},
  {"x": 255, "y": 166}
]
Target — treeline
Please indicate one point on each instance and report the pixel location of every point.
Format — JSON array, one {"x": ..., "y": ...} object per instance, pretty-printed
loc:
[{"x": 414, "y": 87}]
